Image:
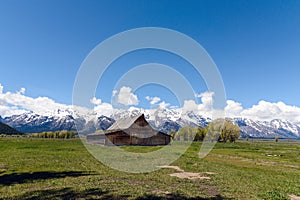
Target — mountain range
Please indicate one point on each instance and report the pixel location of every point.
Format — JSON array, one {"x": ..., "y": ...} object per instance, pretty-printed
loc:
[
  {"x": 5, "y": 129},
  {"x": 163, "y": 120}
]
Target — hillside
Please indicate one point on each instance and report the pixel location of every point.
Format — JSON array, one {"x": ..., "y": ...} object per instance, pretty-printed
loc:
[{"x": 5, "y": 129}]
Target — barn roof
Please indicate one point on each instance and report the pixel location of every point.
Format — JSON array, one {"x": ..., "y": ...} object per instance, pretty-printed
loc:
[{"x": 124, "y": 123}]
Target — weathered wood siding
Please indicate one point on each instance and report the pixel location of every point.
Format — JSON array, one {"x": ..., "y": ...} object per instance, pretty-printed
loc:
[
  {"x": 95, "y": 139},
  {"x": 123, "y": 138},
  {"x": 117, "y": 138}
]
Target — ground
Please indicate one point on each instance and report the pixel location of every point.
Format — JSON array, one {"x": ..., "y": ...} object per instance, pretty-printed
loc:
[{"x": 63, "y": 169}]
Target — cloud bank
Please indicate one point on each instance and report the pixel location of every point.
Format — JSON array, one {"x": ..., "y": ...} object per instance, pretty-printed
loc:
[{"x": 14, "y": 103}]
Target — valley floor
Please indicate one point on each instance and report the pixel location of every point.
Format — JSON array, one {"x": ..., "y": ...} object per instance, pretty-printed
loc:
[{"x": 32, "y": 168}]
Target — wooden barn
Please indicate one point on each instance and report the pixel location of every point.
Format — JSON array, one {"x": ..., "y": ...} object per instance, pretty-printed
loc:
[{"x": 130, "y": 131}]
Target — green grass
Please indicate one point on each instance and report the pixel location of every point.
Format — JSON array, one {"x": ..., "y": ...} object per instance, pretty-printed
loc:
[{"x": 63, "y": 169}]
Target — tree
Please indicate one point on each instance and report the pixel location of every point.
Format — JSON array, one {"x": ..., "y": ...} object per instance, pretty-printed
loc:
[
  {"x": 200, "y": 134},
  {"x": 214, "y": 129},
  {"x": 62, "y": 134},
  {"x": 43, "y": 134},
  {"x": 50, "y": 134},
  {"x": 230, "y": 132},
  {"x": 186, "y": 133},
  {"x": 172, "y": 133},
  {"x": 177, "y": 137},
  {"x": 223, "y": 131},
  {"x": 185, "y": 136}
]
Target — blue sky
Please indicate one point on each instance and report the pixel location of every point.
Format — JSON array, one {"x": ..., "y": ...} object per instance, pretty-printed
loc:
[{"x": 255, "y": 45}]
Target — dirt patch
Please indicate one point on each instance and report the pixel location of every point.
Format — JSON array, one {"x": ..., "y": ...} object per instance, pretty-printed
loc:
[
  {"x": 157, "y": 191},
  {"x": 294, "y": 197},
  {"x": 269, "y": 155},
  {"x": 210, "y": 190},
  {"x": 210, "y": 173},
  {"x": 3, "y": 168},
  {"x": 294, "y": 166},
  {"x": 172, "y": 167},
  {"x": 189, "y": 175}
]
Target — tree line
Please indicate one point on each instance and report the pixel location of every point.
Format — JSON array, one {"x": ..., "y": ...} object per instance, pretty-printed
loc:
[
  {"x": 218, "y": 130},
  {"x": 56, "y": 134}
]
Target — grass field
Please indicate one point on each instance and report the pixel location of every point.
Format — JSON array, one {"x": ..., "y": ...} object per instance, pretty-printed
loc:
[{"x": 63, "y": 169}]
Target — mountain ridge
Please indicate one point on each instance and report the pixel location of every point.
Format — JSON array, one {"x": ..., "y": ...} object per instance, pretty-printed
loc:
[
  {"x": 7, "y": 130},
  {"x": 163, "y": 120}
]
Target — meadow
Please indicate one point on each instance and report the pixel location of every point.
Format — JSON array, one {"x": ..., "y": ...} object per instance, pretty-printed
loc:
[{"x": 39, "y": 168}]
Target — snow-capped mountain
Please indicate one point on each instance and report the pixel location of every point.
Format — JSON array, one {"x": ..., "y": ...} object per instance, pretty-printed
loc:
[
  {"x": 104, "y": 122},
  {"x": 164, "y": 119},
  {"x": 31, "y": 122},
  {"x": 161, "y": 119},
  {"x": 281, "y": 128}
]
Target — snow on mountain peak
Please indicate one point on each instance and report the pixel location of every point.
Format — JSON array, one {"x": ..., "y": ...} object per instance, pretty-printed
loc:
[{"x": 163, "y": 119}]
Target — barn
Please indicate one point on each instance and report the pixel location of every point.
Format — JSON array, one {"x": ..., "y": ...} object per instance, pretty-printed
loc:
[{"x": 130, "y": 131}]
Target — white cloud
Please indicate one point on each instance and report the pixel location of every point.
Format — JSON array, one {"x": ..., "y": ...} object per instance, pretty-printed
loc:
[
  {"x": 1, "y": 89},
  {"x": 13, "y": 103},
  {"x": 205, "y": 108},
  {"x": 17, "y": 103},
  {"x": 157, "y": 101},
  {"x": 263, "y": 111},
  {"x": 95, "y": 101},
  {"x": 233, "y": 109},
  {"x": 207, "y": 98},
  {"x": 126, "y": 97},
  {"x": 197, "y": 95},
  {"x": 267, "y": 111},
  {"x": 22, "y": 91},
  {"x": 163, "y": 105},
  {"x": 114, "y": 93},
  {"x": 153, "y": 100},
  {"x": 105, "y": 109},
  {"x": 189, "y": 105},
  {"x": 101, "y": 108},
  {"x": 10, "y": 110}
]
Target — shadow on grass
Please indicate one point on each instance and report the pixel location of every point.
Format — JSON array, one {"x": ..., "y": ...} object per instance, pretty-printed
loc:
[
  {"x": 68, "y": 193},
  {"x": 97, "y": 193},
  {"x": 175, "y": 196},
  {"x": 17, "y": 178}
]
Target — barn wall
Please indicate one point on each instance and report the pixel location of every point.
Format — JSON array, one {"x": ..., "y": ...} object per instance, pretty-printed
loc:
[
  {"x": 95, "y": 139},
  {"x": 117, "y": 138},
  {"x": 122, "y": 138}
]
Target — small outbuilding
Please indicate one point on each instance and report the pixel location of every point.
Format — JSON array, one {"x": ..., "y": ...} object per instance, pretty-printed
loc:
[{"x": 130, "y": 131}]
